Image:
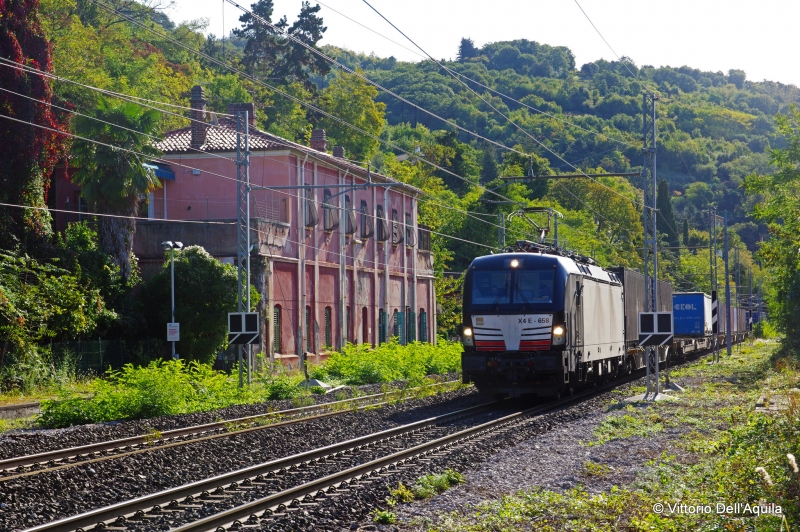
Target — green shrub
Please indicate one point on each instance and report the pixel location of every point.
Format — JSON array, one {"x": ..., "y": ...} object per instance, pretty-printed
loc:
[
  {"x": 357, "y": 364},
  {"x": 402, "y": 493},
  {"x": 384, "y": 517},
  {"x": 160, "y": 388},
  {"x": 431, "y": 485}
]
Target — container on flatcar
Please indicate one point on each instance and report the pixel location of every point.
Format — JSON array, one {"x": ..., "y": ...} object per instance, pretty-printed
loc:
[
  {"x": 691, "y": 314},
  {"x": 635, "y": 301}
]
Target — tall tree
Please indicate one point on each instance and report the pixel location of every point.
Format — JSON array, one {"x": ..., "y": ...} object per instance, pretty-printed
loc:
[
  {"x": 353, "y": 100},
  {"x": 685, "y": 232},
  {"x": 114, "y": 179},
  {"x": 665, "y": 218},
  {"x": 27, "y": 153},
  {"x": 205, "y": 290},
  {"x": 779, "y": 208},
  {"x": 269, "y": 54},
  {"x": 489, "y": 170},
  {"x": 467, "y": 49}
]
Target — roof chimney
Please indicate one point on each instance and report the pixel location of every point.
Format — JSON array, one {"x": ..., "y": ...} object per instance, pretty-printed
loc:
[
  {"x": 338, "y": 151},
  {"x": 234, "y": 108},
  {"x": 318, "y": 140},
  {"x": 198, "y": 115}
]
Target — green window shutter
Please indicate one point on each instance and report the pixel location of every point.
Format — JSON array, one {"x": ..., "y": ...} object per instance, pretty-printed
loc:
[
  {"x": 412, "y": 327},
  {"x": 381, "y": 326},
  {"x": 347, "y": 326},
  {"x": 423, "y": 326},
  {"x": 309, "y": 343},
  {"x": 328, "y": 342},
  {"x": 276, "y": 329},
  {"x": 399, "y": 329}
]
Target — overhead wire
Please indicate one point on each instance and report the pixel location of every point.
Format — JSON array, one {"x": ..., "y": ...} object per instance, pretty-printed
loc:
[
  {"x": 288, "y": 96},
  {"x": 499, "y": 93},
  {"x": 508, "y": 119},
  {"x": 489, "y": 104},
  {"x": 635, "y": 75},
  {"x": 152, "y": 158},
  {"x": 277, "y": 140}
]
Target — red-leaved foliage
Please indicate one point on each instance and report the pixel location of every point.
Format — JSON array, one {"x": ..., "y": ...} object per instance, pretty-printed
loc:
[{"x": 27, "y": 154}]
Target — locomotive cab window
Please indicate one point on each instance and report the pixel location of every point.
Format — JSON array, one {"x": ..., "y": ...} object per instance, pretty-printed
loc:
[
  {"x": 491, "y": 287},
  {"x": 521, "y": 287},
  {"x": 534, "y": 286}
]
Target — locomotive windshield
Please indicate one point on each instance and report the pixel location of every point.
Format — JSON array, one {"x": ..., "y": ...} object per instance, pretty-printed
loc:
[
  {"x": 535, "y": 286},
  {"x": 503, "y": 287}
]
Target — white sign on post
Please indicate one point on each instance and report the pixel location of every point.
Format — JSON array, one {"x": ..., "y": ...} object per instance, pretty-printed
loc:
[{"x": 173, "y": 332}]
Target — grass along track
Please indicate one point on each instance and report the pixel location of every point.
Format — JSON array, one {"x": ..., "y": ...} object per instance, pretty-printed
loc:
[
  {"x": 34, "y": 464},
  {"x": 214, "y": 489},
  {"x": 301, "y": 479}
]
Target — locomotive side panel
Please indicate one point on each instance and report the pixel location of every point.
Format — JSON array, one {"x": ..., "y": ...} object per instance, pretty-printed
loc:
[{"x": 602, "y": 307}]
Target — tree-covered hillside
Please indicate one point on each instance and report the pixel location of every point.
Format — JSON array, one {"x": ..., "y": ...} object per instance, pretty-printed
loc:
[
  {"x": 714, "y": 130},
  {"x": 713, "y": 127}
]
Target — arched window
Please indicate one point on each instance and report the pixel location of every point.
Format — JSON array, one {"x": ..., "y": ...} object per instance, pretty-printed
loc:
[
  {"x": 399, "y": 326},
  {"x": 328, "y": 341},
  {"x": 411, "y": 239},
  {"x": 381, "y": 326},
  {"x": 367, "y": 227},
  {"x": 311, "y": 217},
  {"x": 348, "y": 327},
  {"x": 365, "y": 325},
  {"x": 330, "y": 212},
  {"x": 380, "y": 222},
  {"x": 397, "y": 230},
  {"x": 309, "y": 332},
  {"x": 276, "y": 329},
  {"x": 350, "y": 227},
  {"x": 411, "y": 328}
]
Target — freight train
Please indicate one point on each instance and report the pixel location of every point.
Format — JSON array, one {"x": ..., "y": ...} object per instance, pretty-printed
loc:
[{"x": 538, "y": 321}]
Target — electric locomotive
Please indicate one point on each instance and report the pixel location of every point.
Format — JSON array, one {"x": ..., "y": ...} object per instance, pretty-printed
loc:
[{"x": 540, "y": 322}]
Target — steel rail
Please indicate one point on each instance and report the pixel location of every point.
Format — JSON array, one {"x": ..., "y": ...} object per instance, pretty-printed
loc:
[
  {"x": 147, "y": 502},
  {"x": 317, "y": 487},
  {"x": 160, "y": 442},
  {"x": 326, "y": 486},
  {"x": 384, "y": 464}
]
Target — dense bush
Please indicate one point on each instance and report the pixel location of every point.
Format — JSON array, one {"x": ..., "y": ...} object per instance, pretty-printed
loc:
[
  {"x": 205, "y": 291},
  {"x": 40, "y": 301},
  {"x": 357, "y": 364},
  {"x": 163, "y": 388},
  {"x": 177, "y": 387}
]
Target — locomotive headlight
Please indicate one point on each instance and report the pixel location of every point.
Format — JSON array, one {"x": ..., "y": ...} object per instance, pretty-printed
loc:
[
  {"x": 559, "y": 338},
  {"x": 467, "y": 336},
  {"x": 514, "y": 263}
]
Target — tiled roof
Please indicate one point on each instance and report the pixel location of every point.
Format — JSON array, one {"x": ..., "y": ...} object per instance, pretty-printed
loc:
[{"x": 222, "y": 138}]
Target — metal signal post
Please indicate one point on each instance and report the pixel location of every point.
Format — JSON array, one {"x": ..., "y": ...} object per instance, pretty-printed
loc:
[
  {"x": 649, "y": 184},
  {"x": 243, "y": 230}
]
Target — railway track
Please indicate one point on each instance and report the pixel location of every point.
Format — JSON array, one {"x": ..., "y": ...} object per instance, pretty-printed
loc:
[
  {"x": 266, "y": 477},
  {"x": 35, "y": 464},
  {"x": 243, "y": 498}
]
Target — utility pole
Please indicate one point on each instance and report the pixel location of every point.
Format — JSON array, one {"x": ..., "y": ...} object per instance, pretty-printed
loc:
[
  {"x": 501, "y": 231},
  {"x": 243, "y": 230},
  {"x": 555, "y": 232},
  {"x": 650, "y": 254},
  {"x": 727, "y": 291}
]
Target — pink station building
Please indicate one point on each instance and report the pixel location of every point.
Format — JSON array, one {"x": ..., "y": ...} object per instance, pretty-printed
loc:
[{"x": 331, "y": 268}]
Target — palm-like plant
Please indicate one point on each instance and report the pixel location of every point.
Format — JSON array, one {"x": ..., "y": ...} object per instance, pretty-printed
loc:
[{"x": 114, "y": 179}]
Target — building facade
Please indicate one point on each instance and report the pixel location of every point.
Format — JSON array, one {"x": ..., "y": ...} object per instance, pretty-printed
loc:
[{"x": 335, "y": 261}]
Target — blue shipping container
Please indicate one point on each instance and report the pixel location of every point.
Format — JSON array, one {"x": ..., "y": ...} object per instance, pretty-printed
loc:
[{"x": 691, "y": 314}]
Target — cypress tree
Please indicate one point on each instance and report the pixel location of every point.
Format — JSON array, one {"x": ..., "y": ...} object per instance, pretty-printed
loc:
[
  {"x": 665, "y": 219},
  {"x": 685, "y": 232}
]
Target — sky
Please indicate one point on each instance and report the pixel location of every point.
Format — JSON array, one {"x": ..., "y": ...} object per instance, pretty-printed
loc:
[{"x": 757, "y": 37}]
